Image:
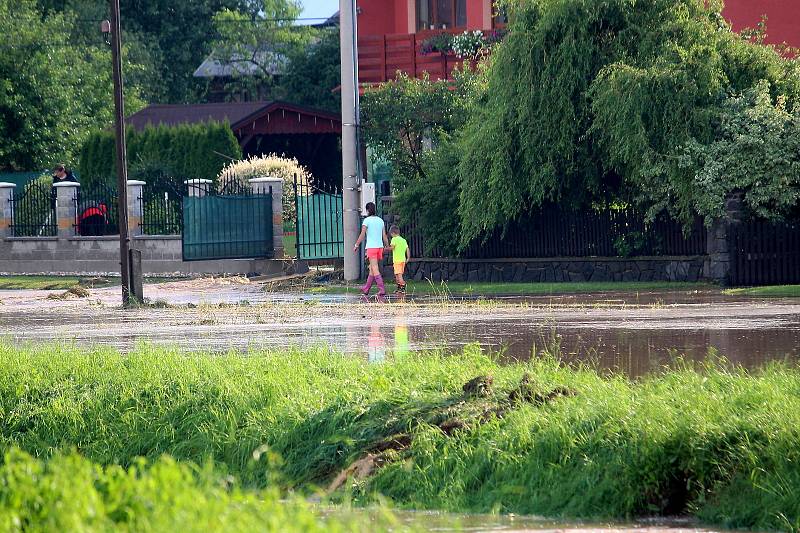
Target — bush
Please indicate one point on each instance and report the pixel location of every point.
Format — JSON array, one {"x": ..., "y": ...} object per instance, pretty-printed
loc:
[
  {"x": 237, "y": 174},
  {"x": 189, "y": 151},
  {"x": 70, "y": 493}
]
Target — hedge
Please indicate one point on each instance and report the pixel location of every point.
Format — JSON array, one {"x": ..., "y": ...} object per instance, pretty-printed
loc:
[{"x": 186, "y": 151}]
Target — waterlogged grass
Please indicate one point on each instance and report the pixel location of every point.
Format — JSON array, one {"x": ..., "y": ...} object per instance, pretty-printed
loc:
[
  {"x": 42, "y": 282},
  {"x": 64, "y": 282},
  {"x": 457, "y": 288},
  {"x": 70, "y": 493},
  {"x": 716, "y": 443},
  {"x": 771, "y": 291}
]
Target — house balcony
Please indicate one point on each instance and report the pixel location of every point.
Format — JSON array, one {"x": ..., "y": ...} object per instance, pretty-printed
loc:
[{"x": 380, "y": 57}]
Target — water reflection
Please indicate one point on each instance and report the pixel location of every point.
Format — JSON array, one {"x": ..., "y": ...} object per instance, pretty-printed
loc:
[{"x": 635, "y": 341}]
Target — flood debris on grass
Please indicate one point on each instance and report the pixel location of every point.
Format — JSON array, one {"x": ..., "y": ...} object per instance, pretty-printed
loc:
[
  {"x": 477, "y": 405},
  {"x": 76, "y": 291},
  {"x": 308, "y": 281}
]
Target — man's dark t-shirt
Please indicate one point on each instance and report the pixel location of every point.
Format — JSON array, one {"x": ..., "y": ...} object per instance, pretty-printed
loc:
[{"x": 69, "y": 177}]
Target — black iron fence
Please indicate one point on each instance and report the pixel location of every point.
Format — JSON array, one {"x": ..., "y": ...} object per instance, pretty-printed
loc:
[
  {"x": 765, "y": 252},
  {"x": 161, "y": 205},
  {"x": 96, "y": 211},
  {"x": 33, "y": 212},
  {"x": 553, "y": 232}
]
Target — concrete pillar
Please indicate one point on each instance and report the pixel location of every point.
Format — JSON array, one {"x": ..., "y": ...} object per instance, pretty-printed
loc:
[
  {"x": 6, "y": 195},
  {"x": 718, "y": 240},
  {"x": 262, "y": 186},
  {"x": 65, "y": 208},
  {"x": 135, "y": 207},
  {"x": 198, "y": 187}
]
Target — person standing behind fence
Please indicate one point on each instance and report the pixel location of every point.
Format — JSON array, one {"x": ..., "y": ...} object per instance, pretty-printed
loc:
[
  {"x": 62, "y": 174},
  {"x": 374, "y": 231}
]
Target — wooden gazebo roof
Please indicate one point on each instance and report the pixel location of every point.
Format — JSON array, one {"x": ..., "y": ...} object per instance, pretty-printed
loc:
[{"x": 246, "y": 118}]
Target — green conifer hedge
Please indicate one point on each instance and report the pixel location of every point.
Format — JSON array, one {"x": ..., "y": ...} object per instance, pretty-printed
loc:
[{"x": 187, "y": 151}]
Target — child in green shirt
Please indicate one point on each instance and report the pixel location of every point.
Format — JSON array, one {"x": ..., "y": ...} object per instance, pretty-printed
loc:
[{"x": 400, "y": 256}]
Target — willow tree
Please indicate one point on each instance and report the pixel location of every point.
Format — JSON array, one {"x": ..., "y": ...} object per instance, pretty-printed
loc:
[{"x": 590, "y": 101}]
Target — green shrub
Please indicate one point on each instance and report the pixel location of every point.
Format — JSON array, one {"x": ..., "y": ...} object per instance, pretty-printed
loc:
[
  {"x": 69, "y": 493},
  {"x": 237, "y": 173}
]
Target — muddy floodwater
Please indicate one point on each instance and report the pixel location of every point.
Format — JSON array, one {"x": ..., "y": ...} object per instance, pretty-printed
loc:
[
  {"x": 447, "y": 522},
  {"x": 635, "y": 333}
]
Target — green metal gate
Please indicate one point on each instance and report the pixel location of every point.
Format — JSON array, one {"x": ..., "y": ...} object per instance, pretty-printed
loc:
[
  {"x": 227, "y": 227},
  {"x": 319, "y": 230}
]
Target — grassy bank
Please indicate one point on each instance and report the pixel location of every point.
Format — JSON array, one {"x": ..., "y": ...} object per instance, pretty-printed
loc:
[
  {"x": 458, "y": 288},
  {"x": 771, "y": 291},
  {"x": 537, "y": 438},
  {"x": 52, "y": 282}
]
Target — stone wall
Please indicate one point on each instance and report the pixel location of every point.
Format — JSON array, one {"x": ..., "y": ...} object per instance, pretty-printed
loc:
[
  {"x": 556, "y": 269},
  {"x": 100, "y": 255}
]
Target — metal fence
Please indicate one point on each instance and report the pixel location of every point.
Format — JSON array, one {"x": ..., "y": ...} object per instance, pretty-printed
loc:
[
  {"x": 96, "y": 211},
  {"x": 33, "y": 212},
  {"x": 554, "y": 232},
  {"x": 318, "y": 229},
  {"x": 765, "y": 252},
  {"x": 228, "y": 226},
  {"x": 161, "y": 205}
]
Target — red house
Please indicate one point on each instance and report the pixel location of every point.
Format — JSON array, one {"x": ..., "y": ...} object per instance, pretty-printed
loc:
[{"x": 390, "y": 32}]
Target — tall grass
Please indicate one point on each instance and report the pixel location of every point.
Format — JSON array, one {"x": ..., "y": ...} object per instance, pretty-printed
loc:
[
  {"x": 720, "y": 443},
  {"x": 69, "y": 493}
]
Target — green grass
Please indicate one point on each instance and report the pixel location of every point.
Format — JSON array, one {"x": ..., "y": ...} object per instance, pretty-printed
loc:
[
  {"x": 70, "y": 493},
  {"x": 775, "y": 291},
  {"x": 49, "y": 282},
  {"x": 62, "y": 282},
  {"x": 721, "y": 444},
  {"x": 290, "y": 245},
  {"x": 458, "y": 288}
]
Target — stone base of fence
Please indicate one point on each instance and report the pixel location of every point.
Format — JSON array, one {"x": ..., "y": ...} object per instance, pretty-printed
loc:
[
  {"x": 675, "y": 268},
  {"x": 100, "y": 255}
]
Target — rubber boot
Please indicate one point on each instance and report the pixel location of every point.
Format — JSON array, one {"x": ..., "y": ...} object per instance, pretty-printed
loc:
[
  {"x": 366, "y": 288},
  {"x": 381, "y": 286}
]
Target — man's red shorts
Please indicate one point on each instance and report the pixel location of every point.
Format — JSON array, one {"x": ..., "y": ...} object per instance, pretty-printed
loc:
[{"x": 375, "y": 253}]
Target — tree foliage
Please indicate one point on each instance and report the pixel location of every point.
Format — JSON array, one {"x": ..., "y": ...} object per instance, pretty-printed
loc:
[
  {"x": 313, "y": 73},
  {"x": 756, "y": 150},
  {"x": 54, "y": 89},
  {"x": 403, "y": 118},
  {"x": 586, "y": 101},
  {"x": 255, "y": 47}
]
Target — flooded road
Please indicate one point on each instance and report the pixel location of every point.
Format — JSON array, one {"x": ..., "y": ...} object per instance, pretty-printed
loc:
[{"x": 635, "y": 333}]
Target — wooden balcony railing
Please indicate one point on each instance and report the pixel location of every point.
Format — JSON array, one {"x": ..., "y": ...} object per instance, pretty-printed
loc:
[{"x": 380, "y": 57}]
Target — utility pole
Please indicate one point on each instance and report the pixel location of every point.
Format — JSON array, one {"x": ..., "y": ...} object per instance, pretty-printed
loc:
[
  {"x": 351, "y": 180},
  {"x": 122, "y": 163}
]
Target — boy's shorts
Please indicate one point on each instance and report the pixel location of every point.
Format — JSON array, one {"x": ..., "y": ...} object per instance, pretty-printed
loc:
[
  {"x": 399, "y": 268},
  {"x": 375, "y": 253}
]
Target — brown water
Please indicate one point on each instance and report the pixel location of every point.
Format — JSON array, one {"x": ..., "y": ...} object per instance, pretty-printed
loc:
[
  {"x": 635, "y": 333},
  {"x": 447, "y": 522}
]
